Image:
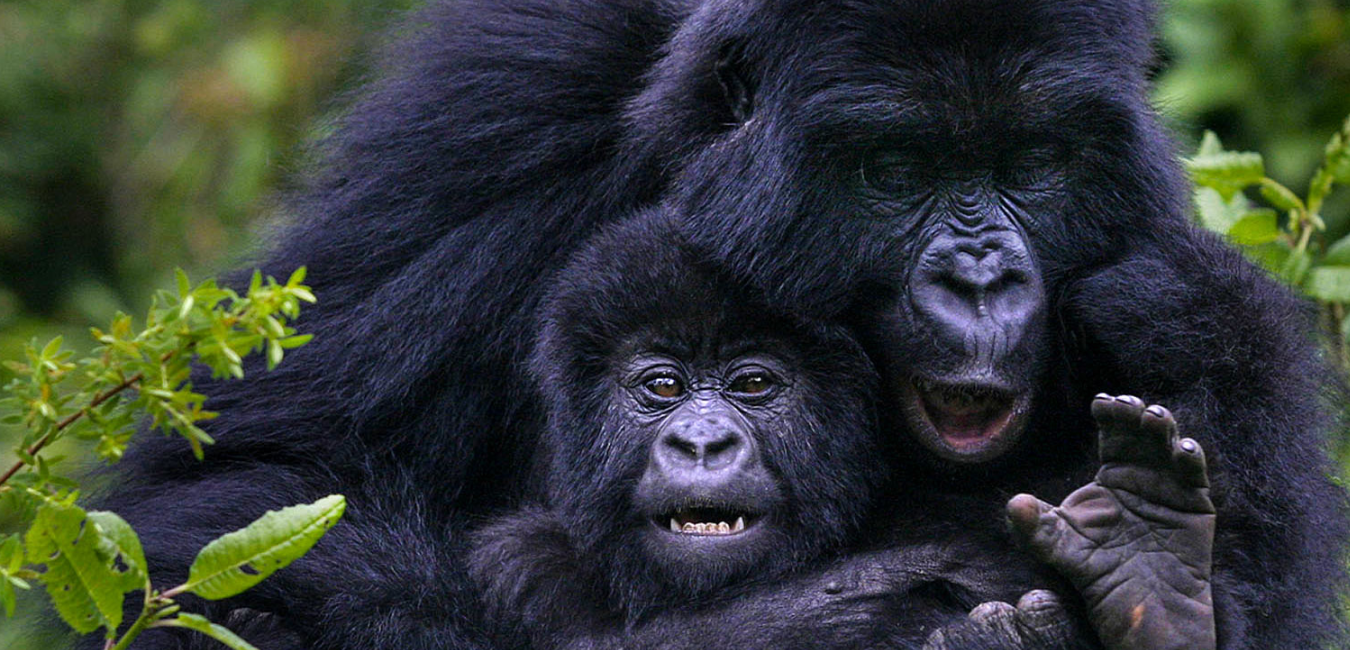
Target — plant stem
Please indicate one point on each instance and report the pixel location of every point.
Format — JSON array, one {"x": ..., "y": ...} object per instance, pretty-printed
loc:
[
  {"x": 69, "y": 420},
  {"x": 143, "y": 621}
]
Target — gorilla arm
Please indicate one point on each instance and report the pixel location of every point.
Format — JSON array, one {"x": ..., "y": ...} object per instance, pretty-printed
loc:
[
  {"x": 1187, "y": 323},
  {"x": 536, "y": 588}
]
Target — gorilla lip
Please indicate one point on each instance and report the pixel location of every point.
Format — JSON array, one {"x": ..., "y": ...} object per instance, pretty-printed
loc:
[{"x": 968, "y": 419}]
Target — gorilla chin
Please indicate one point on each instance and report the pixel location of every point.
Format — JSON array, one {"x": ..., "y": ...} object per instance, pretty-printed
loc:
[{"x": 965, "y": 421}]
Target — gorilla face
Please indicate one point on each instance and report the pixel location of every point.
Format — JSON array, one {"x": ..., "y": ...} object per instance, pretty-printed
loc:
[
  {"x": 956, "y": 159},
  {"x": 705, "y": 489},
  {"x": 696, "y": 435}
]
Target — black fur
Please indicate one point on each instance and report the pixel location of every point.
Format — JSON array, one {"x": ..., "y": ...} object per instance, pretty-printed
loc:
[{"x": 505, "y": 133}]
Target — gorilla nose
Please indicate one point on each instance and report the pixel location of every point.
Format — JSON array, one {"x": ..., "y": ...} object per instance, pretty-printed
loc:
[
  {"x": 979, "y": 286},
  {"x": 977, "y": 270},
  {"x": 714, "y": 444}
]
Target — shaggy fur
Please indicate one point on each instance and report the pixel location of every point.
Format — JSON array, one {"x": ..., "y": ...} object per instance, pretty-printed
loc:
[{"x": 502, "y": 134}]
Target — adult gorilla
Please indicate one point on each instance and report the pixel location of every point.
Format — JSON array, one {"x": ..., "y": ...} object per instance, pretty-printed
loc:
[{"x": 844, "y": 156}]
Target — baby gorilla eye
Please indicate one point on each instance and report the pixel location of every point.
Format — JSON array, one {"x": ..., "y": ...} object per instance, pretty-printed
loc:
[
  {"x": 754, "y": 382},
  {"x": 665, "y": 387}
]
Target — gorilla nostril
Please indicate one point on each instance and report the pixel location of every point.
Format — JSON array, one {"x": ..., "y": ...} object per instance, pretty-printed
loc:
[
  {"x": 682, "y": 447},
  {"x": 695, "y": 447},
  {"x": 720, "y": 453}
]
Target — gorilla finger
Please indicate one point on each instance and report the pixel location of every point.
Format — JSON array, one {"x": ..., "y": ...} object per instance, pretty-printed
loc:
[
  {"x": 1111, "y": 410},
  {"x": 1041, "y": 616},
  {"x": 1158, "y": 422},
  {"x": 1040, "y": 603},
  {"x": 997, "y": 618},
  {"x": 1129, "y": 433},
  {"x": 1189, "y": 458},
  {"x": 1033, "y": 524}
]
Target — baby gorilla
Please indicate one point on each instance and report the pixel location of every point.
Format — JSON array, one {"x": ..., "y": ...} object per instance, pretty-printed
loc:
[{"x": 696, "y": 438}]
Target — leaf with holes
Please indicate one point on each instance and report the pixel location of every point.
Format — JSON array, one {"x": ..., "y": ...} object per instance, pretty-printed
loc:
[
  {"x": 86, "y": 590},
  {"x": 236, "y": 561},
  {"x": 120, "y": 549}
]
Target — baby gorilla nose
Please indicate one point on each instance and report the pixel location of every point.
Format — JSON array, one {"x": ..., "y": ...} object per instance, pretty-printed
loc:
[{"x": 711, "y": 443}]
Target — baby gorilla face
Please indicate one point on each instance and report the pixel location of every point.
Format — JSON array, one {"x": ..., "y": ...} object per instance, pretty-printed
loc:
[
  {"x": 706, "y": 490},
  {"x": 696, "y": 435}
]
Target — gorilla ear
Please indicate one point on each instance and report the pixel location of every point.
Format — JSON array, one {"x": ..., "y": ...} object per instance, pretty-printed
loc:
[{"x": 736, "y": 88}]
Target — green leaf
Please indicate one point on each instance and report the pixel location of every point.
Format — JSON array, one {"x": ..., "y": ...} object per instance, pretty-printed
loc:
[
  {"x": 303, "y": 294},
  {"x": 86, "y": 591},
  {"x": 1209, "y": 144},
  {"x": 1338, "y": 154},
  {"x": 52, "y": 348},
  {"x": 1280, "y": 196},
  {"x": 11, "y": 561},
  {"x": 11, "y": 554},
  {"x": 217, "y": 632},
  {"x": 184, "y": 286},
  {"x": 237, "y": 561},
  {"x": 120, "y": 548},
  {"x": 1295, "y": 267},
  {"x": 1257, "y": 227},
  {"x": 274, "y": 354},
  {"x": 292, "y": 342},
  {"x": 8, "y": 597},
  {"x": 1329, "y": 283},
  {"x": 1217, "y": 214},
  {"x": 1224, "y": 171},
  {"x": 1338, "y": 254},
  {"x": 297, "y": 277}
]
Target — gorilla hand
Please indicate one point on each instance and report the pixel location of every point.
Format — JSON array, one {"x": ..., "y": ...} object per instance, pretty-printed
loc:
[
  {"x": 1137, "y": 541},
  {"x": 1038, "y": 622}
]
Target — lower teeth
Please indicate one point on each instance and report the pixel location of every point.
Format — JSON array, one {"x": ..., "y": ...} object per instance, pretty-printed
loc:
[{"x": 709, "y": 528}]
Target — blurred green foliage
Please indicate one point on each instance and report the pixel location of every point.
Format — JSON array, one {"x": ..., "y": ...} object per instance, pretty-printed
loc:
[
  {"x": 137, "y": 136},
  {"x": 141, "y": 135},
  {"x": 1266, "y": 75}
]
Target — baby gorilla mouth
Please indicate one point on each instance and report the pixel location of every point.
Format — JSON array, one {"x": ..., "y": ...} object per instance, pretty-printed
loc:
[
  {"x": 707, "y": 521},
  {"x": 966, "y": 422}
]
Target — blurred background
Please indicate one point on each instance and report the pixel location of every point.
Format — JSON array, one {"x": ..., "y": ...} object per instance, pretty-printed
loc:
[{"x": 137, "y": 136}]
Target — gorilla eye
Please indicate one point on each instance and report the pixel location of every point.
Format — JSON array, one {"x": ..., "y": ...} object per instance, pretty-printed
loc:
[
  {"x": 665, "y": 387},
  {"x": 892, "y": 175},
  {"x": 751, "y": 383},
  {"x": 1036, "y": 169}
]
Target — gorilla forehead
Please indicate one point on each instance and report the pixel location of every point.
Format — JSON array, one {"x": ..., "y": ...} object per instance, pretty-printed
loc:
[
  {"x": 1094, "y": 28},
  {"x": 641, "y": 285},
  {"x": 922, "y": 69}
]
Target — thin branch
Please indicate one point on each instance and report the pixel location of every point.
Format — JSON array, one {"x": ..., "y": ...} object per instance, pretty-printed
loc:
[{"x": 71, "y": 419}]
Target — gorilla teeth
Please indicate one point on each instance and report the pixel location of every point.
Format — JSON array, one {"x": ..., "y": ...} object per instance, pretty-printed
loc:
[
  {"x": 962, "y": 399},
  {"x": 707, "y": 528}
]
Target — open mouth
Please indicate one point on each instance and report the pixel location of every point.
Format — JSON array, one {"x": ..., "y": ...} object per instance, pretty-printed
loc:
[
  {"x": 707, "y": 521},
  {"x": 970, "y": 421}
]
